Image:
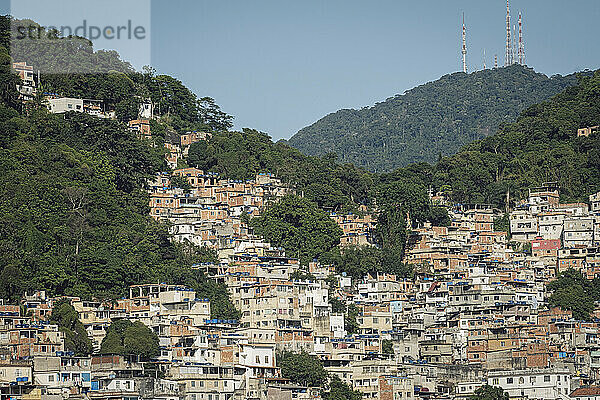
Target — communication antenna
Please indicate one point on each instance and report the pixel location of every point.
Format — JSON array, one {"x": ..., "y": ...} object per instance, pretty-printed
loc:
[
  {"x": 464, "y": 45},
  {"x": 507, "y": 55},
  {"x": 484, "y": 66},
  {"x": 521, "y": 45},
  {"x": 513, "y": 57},
  {"x": 495, "y": 61}
]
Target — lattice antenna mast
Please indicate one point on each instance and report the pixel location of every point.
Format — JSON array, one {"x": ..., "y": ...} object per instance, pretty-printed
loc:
[
  {"x": 521, "y": 45},
  {"x": 513, "y": 54},
  {"x": 484, "y": 66},
  {"x": 464, "y": 45},
  {"x": 507, "y": 55}
]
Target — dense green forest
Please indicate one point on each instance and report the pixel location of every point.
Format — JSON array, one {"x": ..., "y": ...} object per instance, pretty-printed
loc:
[
  {"x": 541, "y": 146},
  {"x": 74, "y": 210},
  {"x": 432, "y": 119},
  {"x": 241, "y": 155}
]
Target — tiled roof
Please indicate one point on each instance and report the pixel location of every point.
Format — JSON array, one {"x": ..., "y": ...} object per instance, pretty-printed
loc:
[{"x": 586, "y": 391}]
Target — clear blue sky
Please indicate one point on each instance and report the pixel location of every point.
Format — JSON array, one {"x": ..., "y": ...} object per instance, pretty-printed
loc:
[{"x": 280, "y": 65}]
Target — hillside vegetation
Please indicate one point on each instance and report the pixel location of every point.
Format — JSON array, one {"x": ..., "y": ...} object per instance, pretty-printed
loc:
[
  {"x": 74, "y": 210},
  {"x": 541, "y": 146},
  {"x": 433, "y": 119},
  {"x": 53, "y": 53}
]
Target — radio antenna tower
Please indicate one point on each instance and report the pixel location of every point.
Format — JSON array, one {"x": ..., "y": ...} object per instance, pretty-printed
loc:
[
  {"x": 507, "y": 57},
  {"x": 521, "y": 46},
  {"x": 513, "y": 54},
  {"x": 464, "y": 45},
  {"x": 484, "y": 66}
]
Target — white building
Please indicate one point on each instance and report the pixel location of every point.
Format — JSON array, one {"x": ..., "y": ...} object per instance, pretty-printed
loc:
[
  {"x": 59, "y": 105},
  {"x": 578, "y": 231},
  {"x": 551, "y": 225},
  {"x": 595, "y": 202},
  {"x": 146, "y": 110},
  {"x": 546, "y": 384},
  {"x": 259, "y": 360},
  {"x": 65, "y": 104},
  {"x": 523, "y": 225}
]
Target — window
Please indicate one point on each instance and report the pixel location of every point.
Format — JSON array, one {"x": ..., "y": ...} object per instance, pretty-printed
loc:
[
  {"x": 509, "y": 380},
  {"x": 546, "y": 378}
]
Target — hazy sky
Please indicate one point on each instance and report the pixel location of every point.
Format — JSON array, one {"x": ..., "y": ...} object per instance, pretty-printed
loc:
[{"x": 279, "y": 65}]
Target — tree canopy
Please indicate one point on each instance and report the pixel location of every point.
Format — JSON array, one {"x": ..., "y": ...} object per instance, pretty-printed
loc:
[
  {"x": 487, "y": 392},
  {"x": 54, "y": 53},
  {"x": 74, "y": 214},
  {"x": 130, "y": 338},
  {"x": 299, "y": 226},
  {"x": 436, "y": 118},
  {"x": 339, "y": 390},
  {"x": 572, "y": 291},
  {"x": 302, "y": 368},
  {"x": 541, "y": 146},
  {"x": 241, "y": 155},
  {"x": 67, "y": 319}
]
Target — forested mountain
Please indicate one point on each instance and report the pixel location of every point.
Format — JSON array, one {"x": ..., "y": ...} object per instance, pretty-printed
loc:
[
  {"x": 541, "y": 146},
  {"x": 432, "y": 119}
]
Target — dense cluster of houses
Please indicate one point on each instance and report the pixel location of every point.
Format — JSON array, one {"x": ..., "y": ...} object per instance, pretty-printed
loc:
[
  {"x": 212, "y": 210},
  {"x": 475, "y": 313}
]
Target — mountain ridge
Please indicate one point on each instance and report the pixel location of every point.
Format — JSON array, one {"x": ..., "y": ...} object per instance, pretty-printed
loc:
[{"x": 429, "y": 120}]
